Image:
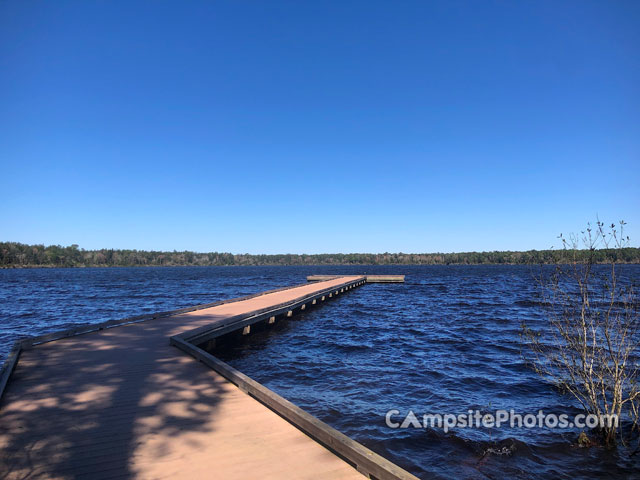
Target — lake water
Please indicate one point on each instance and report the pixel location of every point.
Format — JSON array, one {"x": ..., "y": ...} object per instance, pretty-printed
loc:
[{"x": 446, "y": 341}]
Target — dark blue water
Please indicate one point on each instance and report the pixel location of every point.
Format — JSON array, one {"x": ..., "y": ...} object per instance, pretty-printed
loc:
[{"x": 446, "y": 341}]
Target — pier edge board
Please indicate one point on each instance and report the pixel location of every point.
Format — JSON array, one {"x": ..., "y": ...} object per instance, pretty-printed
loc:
[{"x": 367, "y": 462}]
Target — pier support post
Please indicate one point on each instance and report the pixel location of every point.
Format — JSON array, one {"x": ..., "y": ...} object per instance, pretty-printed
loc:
[
  {"x": 272, "y": 320},
  {"x": 313, "y": 302},
  {"x": 303, "y": 307},
  {"x": 246, "y": 330},
  {"x": 290, "y": 313}
]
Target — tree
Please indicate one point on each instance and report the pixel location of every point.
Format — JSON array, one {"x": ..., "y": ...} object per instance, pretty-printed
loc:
[{"x": 590, "y": 347}]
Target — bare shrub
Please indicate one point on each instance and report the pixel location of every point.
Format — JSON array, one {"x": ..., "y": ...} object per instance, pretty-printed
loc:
[{"x": 590, "y": 347}]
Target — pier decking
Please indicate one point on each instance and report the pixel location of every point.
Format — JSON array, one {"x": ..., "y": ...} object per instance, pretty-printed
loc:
[
  {"x": 368, "y": 278},
  {"x": 123, "y": 402}
]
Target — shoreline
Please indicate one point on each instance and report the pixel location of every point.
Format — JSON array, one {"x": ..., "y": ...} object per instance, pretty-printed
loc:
[{"x": 34, "y": 267}]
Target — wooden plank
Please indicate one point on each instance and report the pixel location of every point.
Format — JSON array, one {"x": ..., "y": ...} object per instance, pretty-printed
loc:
[{"x": 385, "y": 278}]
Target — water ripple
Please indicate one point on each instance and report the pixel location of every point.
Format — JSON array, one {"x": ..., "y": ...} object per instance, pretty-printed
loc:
[{"x": 444, "y": 342}]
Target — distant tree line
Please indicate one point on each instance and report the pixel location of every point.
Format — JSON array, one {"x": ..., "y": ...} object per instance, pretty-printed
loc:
[{"x": 16, "y": 255}]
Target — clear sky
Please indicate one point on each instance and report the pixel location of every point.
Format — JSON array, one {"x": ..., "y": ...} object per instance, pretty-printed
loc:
[{"x": 310, "y": 127}]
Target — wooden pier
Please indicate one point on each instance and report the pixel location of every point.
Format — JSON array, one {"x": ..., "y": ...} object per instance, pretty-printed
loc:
[
  {"x": 368, "y": 278},
  {"x": 119, "y": 400}
]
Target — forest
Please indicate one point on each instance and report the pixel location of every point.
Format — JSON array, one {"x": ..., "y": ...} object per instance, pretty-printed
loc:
[{"x": 19, "y": 255}]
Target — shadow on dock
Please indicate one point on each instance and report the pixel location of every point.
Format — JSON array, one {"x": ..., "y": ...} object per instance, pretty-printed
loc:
[{"x": 121, "y": 405}]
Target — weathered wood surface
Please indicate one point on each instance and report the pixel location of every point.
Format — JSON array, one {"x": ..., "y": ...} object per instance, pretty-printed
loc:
[
  {"x": 123, "y": 403},
  {"x": 369, "y": 278}
]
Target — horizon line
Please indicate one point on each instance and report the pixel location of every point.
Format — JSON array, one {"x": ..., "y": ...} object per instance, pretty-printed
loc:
[{"x": 78, "y": 247}]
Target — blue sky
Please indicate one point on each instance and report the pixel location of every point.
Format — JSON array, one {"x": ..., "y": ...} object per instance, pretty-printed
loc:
[{"x": 309, "y": 127}]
